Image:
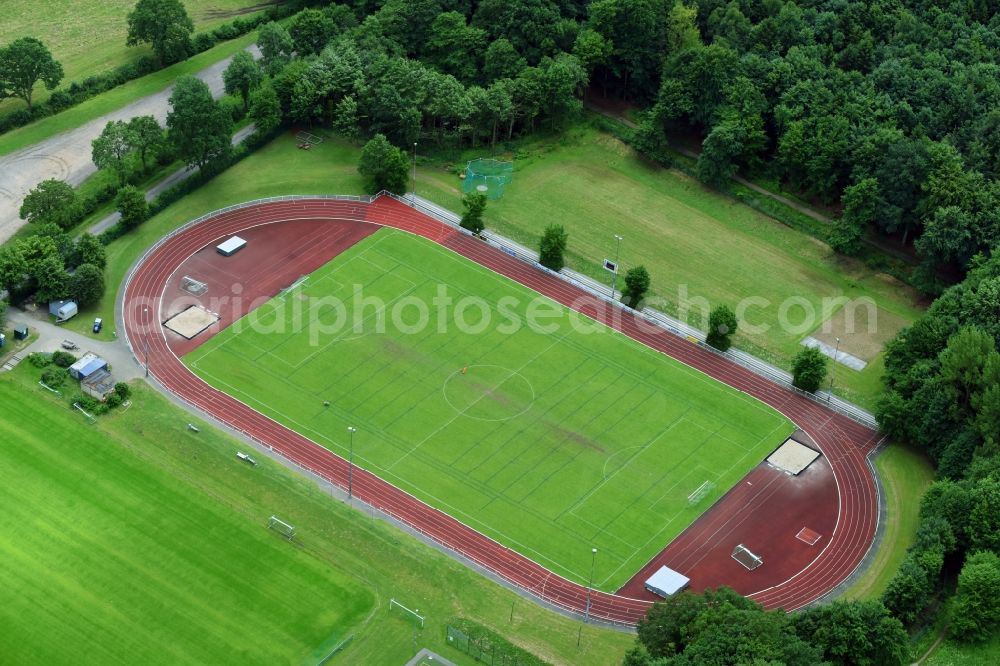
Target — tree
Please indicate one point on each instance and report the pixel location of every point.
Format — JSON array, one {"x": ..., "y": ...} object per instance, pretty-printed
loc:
[
  {"x": 13, "y": 266},
  {"x": 454, "y": 47},
  {"x": 637, "y": 283},
  {"x": 51, "y": 281},
  {"x": 165, "y": 25},
  {"x": 976, "y": 615},
  {"x": 110, "y": 149},
  {"x": 310, "y": 30},
  {"x": 50, "y": 201},
  {"x": 552, "y": 247},
  {"x": 276, "y": 46},
  {"x": 145, "y": 135},
  {"x": 383, "y": 166},
  {"x": 3, "y": 315},
  {"x": 721, "y": 326},
  {"x": 90, "y": 250},
  {"x": 23, "y": 63},
  {"x": 345, "y": 117},
  {"x": 474, "y": 205},
  {"x": 241, "y": 77},
  {"x": 501, "y": 61},
  {"x": 808, "y": 369},
  {"x": 86, "y": 285},
  {"x": 197, "y": 125},
  {"x": 265, "y": 109},
  {"x": 854, "y": 633},
  {"x": 131, "y": 203}
]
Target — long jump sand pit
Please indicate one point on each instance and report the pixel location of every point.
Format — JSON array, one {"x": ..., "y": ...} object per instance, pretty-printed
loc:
[
  {"x": 191, "y": 321},
  {"x": 792, "y": 457}
]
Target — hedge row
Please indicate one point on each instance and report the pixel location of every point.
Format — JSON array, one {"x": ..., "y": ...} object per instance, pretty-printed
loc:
[{"x": 80, "y": 91}]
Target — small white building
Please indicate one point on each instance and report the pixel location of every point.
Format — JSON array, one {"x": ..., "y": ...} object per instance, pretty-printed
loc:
[
  {"x": 666, "y": 582},
  {"x": 230, "y": 247},
  {"x": 88, "y": 365},
  {"x": 63, "y": 310}
]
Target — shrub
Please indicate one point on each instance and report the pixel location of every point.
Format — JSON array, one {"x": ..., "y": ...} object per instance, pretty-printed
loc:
[
  {"x": 123, "y": 390},
  {"x": 552, "y": 247},
  {"x": 637, "y": 283},
  {"x": 63, "y": 359},
  {"x": 86, "y": 402},
  {"x": 809, "y": 369},
  {"x": 54, "y": 377},
  {"x": 39, "y": 360},
  {"x": 721, "y": 326},
  {"x": 113, "y": 400}
]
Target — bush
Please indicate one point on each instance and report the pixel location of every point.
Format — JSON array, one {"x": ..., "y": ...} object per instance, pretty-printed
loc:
[
  {"x": 809, "y": 369},
  {"x": 637, "y": 283},
  {"x": 123, "y": 390},
  {"x": 39, "y": 360},
  {"x": 489, "y": 643},
  {"x": 86, "y": 402},
  {"x": 552, "y": 247},
  {"x": 113, "y": 400},
  {"x": 54, "y": 377},
  {"x": 721, "y": 326},
  {"x": 63, "y": 359}
]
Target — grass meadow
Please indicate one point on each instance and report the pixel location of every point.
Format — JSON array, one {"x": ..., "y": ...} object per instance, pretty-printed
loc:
[
  {"x": 906, "y": 473},
  {"x": 88, "y": 36},
  {"x": 138, "y": 541},
  {"x": 551, "y": 440},
  {"x": 110, "y": 558}
]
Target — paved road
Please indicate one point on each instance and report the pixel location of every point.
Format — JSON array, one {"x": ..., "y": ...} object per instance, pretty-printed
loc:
[
  {"x": 50, "y": 337},
  {"x": 67, "y": 155},
  {"x": 171, "y": 180}
]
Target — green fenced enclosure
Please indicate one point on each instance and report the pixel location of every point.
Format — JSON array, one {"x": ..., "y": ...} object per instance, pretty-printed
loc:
[
  {"x": 487, "y": 176},
  {"x": 551, "y": 439}
]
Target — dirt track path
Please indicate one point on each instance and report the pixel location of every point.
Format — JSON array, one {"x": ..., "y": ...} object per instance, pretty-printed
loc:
[{"x": 66, "y": 156}]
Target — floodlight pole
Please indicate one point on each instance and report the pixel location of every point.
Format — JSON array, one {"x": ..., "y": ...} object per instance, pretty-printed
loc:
[
  {"x": 350, "y": 464},
  {"x": 414, "y": 173},
  {"x": 590, "y": 585},
  {"x": 833, "y": 371},
  {"x": 145, "y": 341},
  {"x": 614, "y": 273}
]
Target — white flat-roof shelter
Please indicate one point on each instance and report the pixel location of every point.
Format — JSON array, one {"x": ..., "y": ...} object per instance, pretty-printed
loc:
[
  {"x": 231, "y": 246},
  {"x": 666, "y": 582}
]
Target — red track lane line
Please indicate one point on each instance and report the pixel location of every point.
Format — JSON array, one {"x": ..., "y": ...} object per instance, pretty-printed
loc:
[{"x": 844, "y": 442}]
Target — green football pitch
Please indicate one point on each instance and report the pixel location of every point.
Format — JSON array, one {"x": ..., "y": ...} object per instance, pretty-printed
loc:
[
  {"x": 109, "y": 558},
  {"x": 552, "y": 438}
]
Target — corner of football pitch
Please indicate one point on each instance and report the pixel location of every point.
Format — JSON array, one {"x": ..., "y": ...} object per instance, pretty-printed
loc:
[{"x": 529, "y": 422}]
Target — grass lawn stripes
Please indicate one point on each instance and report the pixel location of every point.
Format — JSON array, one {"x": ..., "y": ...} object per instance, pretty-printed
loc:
[
  {"x": 109, "y": 558},
  {"x": 551, "y": 443},
  {"x": 844, "y": 442}
]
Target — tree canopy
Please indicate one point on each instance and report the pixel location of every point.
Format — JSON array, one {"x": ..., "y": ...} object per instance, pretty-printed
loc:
[
  {"x": 23, "y": 63},
  {"x": 198, "y": 127},
  {"x": 164, "y": 25}
]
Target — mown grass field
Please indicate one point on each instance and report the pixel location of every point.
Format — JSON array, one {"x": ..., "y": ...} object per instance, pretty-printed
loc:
[
  {"x": 906, "y": 474},
  {"x": 552, "y": 437},
  {"x": 56, "y": 616},
  {"x": 109, "y": 558},
  {"x": 88, "y": 36},
  {"x": 699, "y": 246}
]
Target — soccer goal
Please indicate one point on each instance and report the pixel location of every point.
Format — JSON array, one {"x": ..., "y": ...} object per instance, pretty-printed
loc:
[
  {"x": 295, "y": 285},
  {"x": 409, "y": 614},
  {"x": 192, "y": 286},
  {"x": 700, "y": 492},
  {"x": 743, "y": 555},
  {"x": 281, "y": 527},
  {"x": 305, "y": 138}
]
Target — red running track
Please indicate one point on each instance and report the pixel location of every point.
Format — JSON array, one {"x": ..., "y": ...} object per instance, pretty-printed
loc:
[{"x": 844, "y": 442}]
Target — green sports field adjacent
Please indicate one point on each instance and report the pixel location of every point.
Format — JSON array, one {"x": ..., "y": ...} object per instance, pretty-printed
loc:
[
  {"x": 552, "y": 442},
  {"x": 108, "y": 558}
]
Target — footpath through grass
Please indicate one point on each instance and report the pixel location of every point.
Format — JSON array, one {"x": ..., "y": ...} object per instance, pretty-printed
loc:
[
  {"x": 551, "y": 434},
  {"x": 79, "y": 499},
  {"x": 906, "y": 474},
  {"x": 117, "y": 97},
  {"x": 108, "y": 557},
  {"x": 88, "y": 36}
]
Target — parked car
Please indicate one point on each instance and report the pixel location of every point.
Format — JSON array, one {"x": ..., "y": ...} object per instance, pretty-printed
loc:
[{"x": 98, "y": 324}]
